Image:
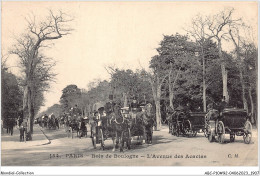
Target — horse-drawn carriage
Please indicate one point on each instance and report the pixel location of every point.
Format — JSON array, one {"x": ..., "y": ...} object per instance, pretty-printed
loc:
[
  {"x": 186, "y": 123},
  {"x": 141, "y": 124},
  {"x": 197, "y": 122},
  {"x": 179, "y": 124},
  {"x": 105, "y": 126},
  {"x": 74, "y": 123},
  {"x": 52, "y": 122},
  {"x": 232, "y": 121},
  {"x": 120, "y": 126}
]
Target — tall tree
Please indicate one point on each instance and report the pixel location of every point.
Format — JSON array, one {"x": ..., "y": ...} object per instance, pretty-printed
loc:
[
  {"x": 218, "y": 26},
  {"x": 235, "y": 38},
  {"x": 198, "y": 31},
  {"x": 249, "y": 54},
  {"x": 28, "y": 48}
]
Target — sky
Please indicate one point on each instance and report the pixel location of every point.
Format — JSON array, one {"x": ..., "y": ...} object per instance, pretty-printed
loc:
[{"x": 124, "y": 34}]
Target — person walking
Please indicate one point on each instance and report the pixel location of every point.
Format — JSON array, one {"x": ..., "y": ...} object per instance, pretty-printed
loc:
[{"x": 23, "y": 130}]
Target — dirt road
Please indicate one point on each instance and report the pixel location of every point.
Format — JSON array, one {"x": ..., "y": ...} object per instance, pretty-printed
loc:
[{"x": 166, "y": 150}]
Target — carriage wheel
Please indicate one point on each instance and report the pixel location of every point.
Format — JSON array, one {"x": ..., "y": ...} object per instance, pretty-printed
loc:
[
  {"x": 232, "y": 137},
  {"x": 94, "y": 138},
  {"x": 205, "y": 131},
  {"x": 221, "y": 132},
  {"x": 247, "y": 132},
  {"x": 187, "y": 128},
  {"x": 101, "y": 139}
]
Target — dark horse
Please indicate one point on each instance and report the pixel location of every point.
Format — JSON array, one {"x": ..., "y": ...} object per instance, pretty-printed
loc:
[
  {"x": 118, "y": 127},
  {"x": 148, "y": 122}
]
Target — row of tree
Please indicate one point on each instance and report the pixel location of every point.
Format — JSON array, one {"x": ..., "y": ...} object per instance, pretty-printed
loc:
[{"x": 190, "y": 68}]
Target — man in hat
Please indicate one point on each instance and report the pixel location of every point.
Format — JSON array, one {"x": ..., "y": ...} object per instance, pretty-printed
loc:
[
  {"x": 109, "y": 106},
  {"x": 134, "y": 108},
  {"x": 223, "y": 104},
  {"x": 23, "y": 130}
]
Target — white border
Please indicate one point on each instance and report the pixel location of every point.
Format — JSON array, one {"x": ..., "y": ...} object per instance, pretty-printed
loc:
[
  {"x": 68, "y": 170},
  {"x": 130, "y": 170}
]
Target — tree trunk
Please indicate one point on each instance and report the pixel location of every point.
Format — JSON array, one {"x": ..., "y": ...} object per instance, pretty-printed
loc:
[
  {"x": 171, "y": 85},
  {"x": 243, "y": 89},
  {"x": 158, "y": 107},
  {"x": 31, "y": 113},
  {"x": 224, "y": 72},
  {"x": 28, "y": 110},
  {"x": 158, "y": 115},
  {"x": 240, "y": 69},
  {"x": 156, "y": 89},
  {"x": 204, "y": 82},
  {"x": 25, "y": 104},
  {"x": 171, "y": 95}
]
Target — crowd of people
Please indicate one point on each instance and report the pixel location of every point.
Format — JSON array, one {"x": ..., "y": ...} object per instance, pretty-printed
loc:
[{"x": 50, "y": 121}]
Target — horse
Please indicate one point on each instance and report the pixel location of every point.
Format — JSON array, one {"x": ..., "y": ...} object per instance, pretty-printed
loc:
[
  {"x": 118, "y": 128},
  {"x": 148, "y": 122},
  {"x": 73, "y": 125},
  {"x": 51, "y": 122}
]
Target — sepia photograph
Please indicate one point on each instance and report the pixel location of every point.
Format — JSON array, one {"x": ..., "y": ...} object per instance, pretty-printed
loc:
[{"x": 118, "y": 83}]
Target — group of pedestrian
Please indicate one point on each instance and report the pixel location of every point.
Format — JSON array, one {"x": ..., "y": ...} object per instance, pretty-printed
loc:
[
  {"x": 10, "y": 124},
  {"x": 18, "y": 122}
]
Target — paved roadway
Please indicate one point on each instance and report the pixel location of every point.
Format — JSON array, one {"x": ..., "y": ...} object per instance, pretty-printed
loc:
[{"x": 166, "y": 150}]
